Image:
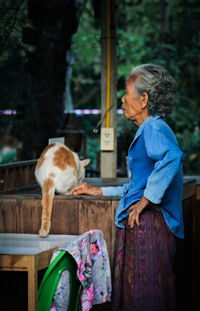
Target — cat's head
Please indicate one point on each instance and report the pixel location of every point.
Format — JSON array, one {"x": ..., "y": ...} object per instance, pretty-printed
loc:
[{"x": 81, "y": 171}]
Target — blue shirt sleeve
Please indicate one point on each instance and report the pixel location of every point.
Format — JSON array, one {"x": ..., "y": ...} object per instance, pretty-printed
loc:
[
  {"x": 114, "y": 191},
  {"x": 162, "y": 147}
]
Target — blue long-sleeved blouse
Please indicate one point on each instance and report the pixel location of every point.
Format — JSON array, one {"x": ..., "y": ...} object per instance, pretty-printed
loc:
[{"x": 155, "y": 163}]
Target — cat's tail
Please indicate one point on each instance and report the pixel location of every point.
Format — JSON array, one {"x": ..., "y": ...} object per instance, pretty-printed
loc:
[{"x": 48, "y": 191}]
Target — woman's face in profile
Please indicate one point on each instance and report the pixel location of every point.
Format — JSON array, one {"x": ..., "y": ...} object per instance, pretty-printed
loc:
[{"x": 132, "y": 103}]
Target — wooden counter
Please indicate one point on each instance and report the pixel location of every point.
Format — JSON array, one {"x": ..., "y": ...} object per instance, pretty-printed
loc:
[
  {"x": 71, "y": 215},
  {"x": 20, "y": 212}
]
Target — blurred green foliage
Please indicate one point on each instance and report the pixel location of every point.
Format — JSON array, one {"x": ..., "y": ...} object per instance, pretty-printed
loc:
[
  {"x": 153, "y": 31},
  {"x": 157, "y": 31}
]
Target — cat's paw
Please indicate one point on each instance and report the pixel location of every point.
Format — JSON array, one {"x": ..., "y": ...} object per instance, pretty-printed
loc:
[{"x": 43, "y": 232}]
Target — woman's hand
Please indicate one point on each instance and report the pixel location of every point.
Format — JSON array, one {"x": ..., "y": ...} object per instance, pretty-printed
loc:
[
  {"x": 85, "y": 189},
  {"x": 136, "y": 210}
]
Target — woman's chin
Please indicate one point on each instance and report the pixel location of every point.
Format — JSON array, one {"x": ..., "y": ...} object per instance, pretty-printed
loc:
[{"x": 126, "y": 114}]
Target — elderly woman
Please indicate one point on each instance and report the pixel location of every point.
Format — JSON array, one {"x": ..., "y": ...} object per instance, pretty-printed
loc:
[{"x": 149, "y": 215}]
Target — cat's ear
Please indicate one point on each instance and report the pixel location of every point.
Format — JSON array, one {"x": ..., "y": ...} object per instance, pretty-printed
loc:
[{"x": 85, "y": 162}]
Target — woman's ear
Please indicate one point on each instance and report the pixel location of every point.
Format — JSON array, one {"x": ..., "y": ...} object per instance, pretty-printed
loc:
[{"x": 145, "y": 99}]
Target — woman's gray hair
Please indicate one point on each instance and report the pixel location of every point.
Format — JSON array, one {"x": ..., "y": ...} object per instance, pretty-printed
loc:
[{"x": 158, "y": 84}]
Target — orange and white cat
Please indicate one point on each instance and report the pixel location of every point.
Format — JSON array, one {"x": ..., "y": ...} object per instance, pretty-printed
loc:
[{"x": 58, "y": 170}]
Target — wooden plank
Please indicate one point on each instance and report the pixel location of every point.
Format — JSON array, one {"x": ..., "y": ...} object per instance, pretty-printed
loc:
[
  {"x": 189, "y": 189},
  {"x": 32, "y": 283},
  {"x": 20, "y": 175},
  {"x": 198, "y": 192},
  {"x": 11, "y": 179},
  {"x": 18, "y": 163},
  {"x": 6, "y": 178},
  {"x": 17, "y": 174},
  {"x": 32, "y": 179},
  {"x": 43, "y": 259},
  {"x": 114, "y": 209},
  {"x": 25, "y": 172},
  {"x": 65, "y": 216},
  {"x": 13, "y": 262},
  {"x": 96, "y": 215},
  {"x": 28, "y": 215},
  {"x": 8, "y": 216}
]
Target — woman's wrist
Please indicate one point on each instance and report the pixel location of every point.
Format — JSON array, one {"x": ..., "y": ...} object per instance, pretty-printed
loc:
[
  {"x": 144, "y": 202},
  {"x": 96, "y": 191}
]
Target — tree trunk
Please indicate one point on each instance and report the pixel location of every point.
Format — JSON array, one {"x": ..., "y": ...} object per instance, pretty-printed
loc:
[
  {"x": 164, "y": 25},
  {"x": 54, "y": 22}
]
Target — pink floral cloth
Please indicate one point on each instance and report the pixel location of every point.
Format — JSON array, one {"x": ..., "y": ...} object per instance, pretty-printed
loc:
[{"x": 90, "y": 253}]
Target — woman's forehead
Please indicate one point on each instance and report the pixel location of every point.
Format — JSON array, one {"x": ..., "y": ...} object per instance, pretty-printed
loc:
[
  {"x": 132, "y": 79},
  {"x": 129, "y": 80},
  {"x": 129, "y": 84}
]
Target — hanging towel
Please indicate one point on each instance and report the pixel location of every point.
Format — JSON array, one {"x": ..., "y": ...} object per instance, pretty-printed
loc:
[{"x": 93, "y": 270}]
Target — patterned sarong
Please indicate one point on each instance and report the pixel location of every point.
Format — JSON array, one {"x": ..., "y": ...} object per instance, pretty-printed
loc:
[{"x": 144, "y": 266}]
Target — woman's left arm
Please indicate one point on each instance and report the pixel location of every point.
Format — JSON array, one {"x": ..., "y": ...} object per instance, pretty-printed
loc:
[{"x": 162, "y": 147}]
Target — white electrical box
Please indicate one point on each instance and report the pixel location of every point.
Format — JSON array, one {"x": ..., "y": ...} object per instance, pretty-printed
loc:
[
  {"x": 107, "y": 138},
  {"x": 56, "y": 139}
]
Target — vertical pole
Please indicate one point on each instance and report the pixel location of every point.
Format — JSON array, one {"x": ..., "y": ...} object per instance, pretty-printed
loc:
[
  {"x": 32, "y": 283},
  {"x": 108, "y": 60},
  {"x": 109, "y": 83}
]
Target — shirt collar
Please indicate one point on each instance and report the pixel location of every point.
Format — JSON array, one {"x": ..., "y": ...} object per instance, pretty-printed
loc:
[{"x": 149, "y": 119}]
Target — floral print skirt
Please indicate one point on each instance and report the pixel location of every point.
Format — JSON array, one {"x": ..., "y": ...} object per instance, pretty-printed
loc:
[{"x": 144, "y": 266}]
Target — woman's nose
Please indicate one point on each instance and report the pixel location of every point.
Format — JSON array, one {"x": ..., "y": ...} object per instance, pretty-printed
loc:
[{"x": 123, "y": 99}]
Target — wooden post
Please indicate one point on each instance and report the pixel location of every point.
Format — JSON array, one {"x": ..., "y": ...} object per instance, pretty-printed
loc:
[
  {"x": 32, "y": 283},
  {"x": 108, "y": 83}
]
